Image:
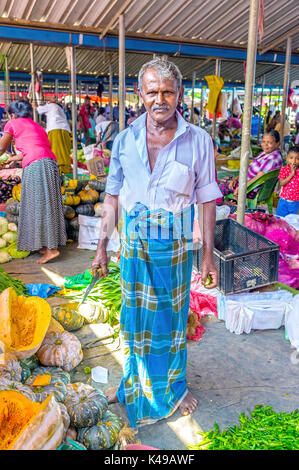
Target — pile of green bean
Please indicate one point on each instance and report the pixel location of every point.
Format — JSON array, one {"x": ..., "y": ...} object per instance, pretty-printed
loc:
[
  {"x": 264, "y": 429},
  {"x": 7, "y": 281}
]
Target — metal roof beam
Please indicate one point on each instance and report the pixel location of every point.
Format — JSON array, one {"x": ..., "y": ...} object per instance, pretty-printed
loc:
[
  {"x": 280, "y": 40},
  {"x": 116, "y": 17},
  {"x": 145, "y": 46}
]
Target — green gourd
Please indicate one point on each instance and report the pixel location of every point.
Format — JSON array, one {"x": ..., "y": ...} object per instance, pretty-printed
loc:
[
  {"x": 68, "y": 316},
  {"x": 85, "y": 404},
  {"x": 103, "y": 434}
]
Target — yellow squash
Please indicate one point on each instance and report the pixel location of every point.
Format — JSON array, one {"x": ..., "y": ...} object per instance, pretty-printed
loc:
[{"x": 24, "y": 322}]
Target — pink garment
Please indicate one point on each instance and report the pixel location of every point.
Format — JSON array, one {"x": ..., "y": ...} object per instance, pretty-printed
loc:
[
  {"x": 30, "y": 139},
  {"x": 291, "y": 190},
  {"x": 201, "y": 304},
  {"x": 219, "y": 200}
]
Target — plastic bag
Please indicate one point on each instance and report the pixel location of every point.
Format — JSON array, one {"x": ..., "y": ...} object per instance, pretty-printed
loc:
[
  {"x": 42, "y": 290},
  {"x": 257, "y": 311},
  {"x": 222, "y": 212},
  {"x": 292, "y": 322}
]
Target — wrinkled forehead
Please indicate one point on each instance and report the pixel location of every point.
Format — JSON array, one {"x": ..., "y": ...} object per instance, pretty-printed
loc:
[{"x": 153, "y": 77}]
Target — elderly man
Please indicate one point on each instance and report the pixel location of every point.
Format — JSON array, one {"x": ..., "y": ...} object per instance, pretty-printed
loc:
[{"x": 160, "y": 167}]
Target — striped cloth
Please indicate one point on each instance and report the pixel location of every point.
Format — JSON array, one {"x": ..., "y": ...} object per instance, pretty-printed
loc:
[
  {"x": 41, "y": 222},
  {"x": 156, "y": 266}
]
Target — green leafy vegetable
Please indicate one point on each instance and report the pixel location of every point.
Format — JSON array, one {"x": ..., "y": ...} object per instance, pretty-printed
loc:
[{"x": 7, "y": 281}]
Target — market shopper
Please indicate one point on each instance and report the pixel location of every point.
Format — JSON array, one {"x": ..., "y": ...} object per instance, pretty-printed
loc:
[
  {"x": 41, "y": 224},
  {"x": 289, "y": 182},
  {"x": 160, "y": 167},
  {"x": 59, "y": 133},
  {"x": 268, "y": 160},
  {"x": 84, "y": 122}
]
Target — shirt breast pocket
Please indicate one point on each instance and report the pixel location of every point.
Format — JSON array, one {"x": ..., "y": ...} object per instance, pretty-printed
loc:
[{"x": 180, "y": 179}]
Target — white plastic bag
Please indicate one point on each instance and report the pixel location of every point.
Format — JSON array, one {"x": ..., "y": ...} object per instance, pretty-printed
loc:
[
  {"x": 88, "y": 151},
  {"x": 89, "y": 232},
  {"x": 292, "y": 322},
  {"x": 222, "y": 212},
  {"x": 238, "y": 318},
  {"x": 257, "y": 311}
]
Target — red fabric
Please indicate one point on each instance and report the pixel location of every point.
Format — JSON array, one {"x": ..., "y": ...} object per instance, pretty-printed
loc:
[
  {"x": 85, "y": 119},
  {"x": 291, "y": 190},
  {"x": 80, "y": 165},
  {"x": 30, "y": 139}
]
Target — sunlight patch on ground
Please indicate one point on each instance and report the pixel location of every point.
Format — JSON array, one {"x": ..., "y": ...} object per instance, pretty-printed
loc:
[
  {"x": 57, "y": 279},
  {"x": 186, "y": 429}
]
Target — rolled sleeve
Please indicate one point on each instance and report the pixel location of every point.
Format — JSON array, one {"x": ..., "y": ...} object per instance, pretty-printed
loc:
[
  {"x": 115, "y": 176},
  {"x": 206, "y": 187},
  {"x": 207, "y": 193}
]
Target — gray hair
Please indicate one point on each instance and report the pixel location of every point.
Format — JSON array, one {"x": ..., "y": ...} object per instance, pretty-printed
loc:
[{"x": 165, "y": 69}]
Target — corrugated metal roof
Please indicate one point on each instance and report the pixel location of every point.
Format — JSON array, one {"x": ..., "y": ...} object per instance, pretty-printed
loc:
[
  {"x": 217, "y": 21},
  {"x": 211, "y": 21}
]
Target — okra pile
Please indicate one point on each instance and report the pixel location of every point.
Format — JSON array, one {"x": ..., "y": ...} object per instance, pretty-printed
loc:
[{"x": 263, "y": 429}]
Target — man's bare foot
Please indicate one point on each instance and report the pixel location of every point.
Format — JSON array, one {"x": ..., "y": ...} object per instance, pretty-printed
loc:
[
  {"x": 48, "y": 255},
  {"x": 111, "y": 396},
  {"x": 188, "y": 405},
  {"x": 42, "y": 251}
]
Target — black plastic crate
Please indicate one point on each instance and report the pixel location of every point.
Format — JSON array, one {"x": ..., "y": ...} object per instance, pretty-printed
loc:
[{"x": 244, "y": 258}]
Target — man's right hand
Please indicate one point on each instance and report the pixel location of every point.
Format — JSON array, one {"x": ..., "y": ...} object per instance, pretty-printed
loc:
[{"x": 100, "y": 262}]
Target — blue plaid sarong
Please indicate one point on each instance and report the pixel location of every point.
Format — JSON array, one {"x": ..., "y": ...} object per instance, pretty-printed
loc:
[{"x": 156, "y": 267}]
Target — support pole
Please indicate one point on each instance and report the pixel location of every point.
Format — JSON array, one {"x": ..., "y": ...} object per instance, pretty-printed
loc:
[
  {"x": 110, "y": 89},
  {"x": 35, "y": 116},
  {"x": 121, "y": 75},
  {"x": 201, "y": 105},
  {"x": 217, "y": 72},
  {"x": 74, "y": 111},
  {"x": 285, "y": 90},
  {"x": 192, "y": 97},
  {"x": 7, "y": 82},
  {"x": 260, "y": 111},
  {"x": 246, "y": 128},
  {"x": 56, "y": 88}
]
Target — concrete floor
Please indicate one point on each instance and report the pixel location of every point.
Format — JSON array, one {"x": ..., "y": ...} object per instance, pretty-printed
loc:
[{"x": 228, "y": 374}]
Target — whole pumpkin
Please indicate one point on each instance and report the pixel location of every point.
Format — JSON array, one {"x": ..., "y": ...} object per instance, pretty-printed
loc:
[
  {"x": 98, "y": 209},
  {"x": 85, "y": 209},
  {"x": 48, "y": 380},
  {"x": 16, "y": 192},
  {"x": 85, "y": 404},
  {"x": 97, "y": 184},
  {"x": 103, "y": 435},
  {"x": 88, "y": 196},
  {"x": 61, "y": 349},
  {"x": 27, "y": 425},
  {"x": 6, "y": 384},
  {"x": 10, "y": 368},
  {"x": 12, "y": 207},
  {"x": 69, "y": 212},
  {"x": 68, "y": 316},
  {"x": 23, "y": 322}
]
